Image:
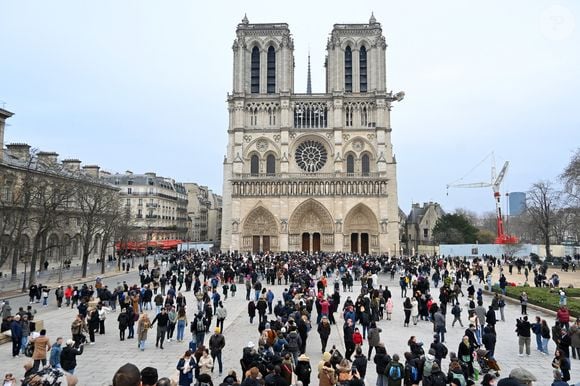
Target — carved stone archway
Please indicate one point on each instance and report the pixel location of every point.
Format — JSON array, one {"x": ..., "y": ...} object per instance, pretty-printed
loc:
[
  {"x": 260, "y": 231},
  {"x": 361, "y": 230},
  {"x": 311, "y": 228}
]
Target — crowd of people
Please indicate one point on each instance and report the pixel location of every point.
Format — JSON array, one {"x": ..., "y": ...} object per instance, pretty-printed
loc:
[{"x": 318, "y": 293}]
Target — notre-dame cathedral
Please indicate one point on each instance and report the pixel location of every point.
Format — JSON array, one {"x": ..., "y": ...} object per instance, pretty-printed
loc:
[{"x": 310, "y": 172}]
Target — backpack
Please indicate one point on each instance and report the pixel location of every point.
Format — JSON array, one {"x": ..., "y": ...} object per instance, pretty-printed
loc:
[
  {"x": 200, "y": 326},
  {"x": 438, "y": 379},
  {"x": 293, "y": 343},
  {"x": 414, "y": 374},
  {"x": 427, "y": 367},
  {"x": 459, "y": 377},
  {"x": 395, "y": 373},
  {"x": 29, "y": 350},
  {"x": 456, "y": 310}
]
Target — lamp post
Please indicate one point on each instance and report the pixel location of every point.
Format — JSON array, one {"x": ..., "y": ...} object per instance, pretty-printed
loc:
[{"x": 25, "y": 259}]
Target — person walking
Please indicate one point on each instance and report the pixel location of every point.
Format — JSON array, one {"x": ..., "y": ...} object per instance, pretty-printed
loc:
[
  {"x": 123, "y": 320},
  {"x": 389, "y": 308},
  {"x": 439, "y": 325},
  {"x": 68, "y": 357},
  {"x": 465, "y": 354},
  {"x": 181, "y": 320},
  {"x": 217, "y": 342},
  {"x": 456, "y": 312},
  {"x": 324, "y": 332},
  {"x": 93, "y": 324},
  {"x": 251, "y": 311},
  {"x": 55, "y": 351},
  {"x": 221, "y": 314},
  {"x": 545, "y": 330},
  {"x": 524, "y": 302},
  {"x": 414, "y": 310},
  {"x": 575, "y": 339},
  {"x": 143, "y": 325},
  {"x": 407, "y": 308},
  {"x": 41, "y": 347},
  {"x": 16, "y": 334},
  {"x": 523, "y": 329},
  {"x": 102, "y": 317},
  {"x": 374, "y": 338},
  {"x": 349, "y": 344},
  {"x": 162, "y": 320}
]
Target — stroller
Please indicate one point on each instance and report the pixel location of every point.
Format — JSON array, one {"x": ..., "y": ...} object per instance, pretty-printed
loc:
[{"x": 486, "y": 363}]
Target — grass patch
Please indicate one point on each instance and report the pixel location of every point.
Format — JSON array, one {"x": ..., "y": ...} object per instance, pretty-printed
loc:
[{"x": 543, "y": 297}]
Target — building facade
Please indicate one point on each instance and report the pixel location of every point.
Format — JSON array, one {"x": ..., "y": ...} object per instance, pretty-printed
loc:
[
  {"x": 310, "y": 172},
  {"x": 420, "y": 224},
  {"x": 40, "y": 215},
  {"x": 204, "y": 209},
  {"x": 157, "y": 206}
]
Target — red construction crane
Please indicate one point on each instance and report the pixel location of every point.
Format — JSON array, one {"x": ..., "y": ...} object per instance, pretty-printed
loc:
[{"x": 502, "y": 237}]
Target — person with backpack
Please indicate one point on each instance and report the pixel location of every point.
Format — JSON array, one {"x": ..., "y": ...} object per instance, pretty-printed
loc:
[
  {"x": 436, "y": 378},
  {"x": 456, "y": 312},
  {"x": 407, "y": 308},
  {"x": 412, "y": 370},
  {"x": 395, "y": 372},
  {"x": 349, "y": 344},
  {"x": 455, "y": 373},
  {"x": 382, "y": 360},
  {"x": 294, "y": 344}
]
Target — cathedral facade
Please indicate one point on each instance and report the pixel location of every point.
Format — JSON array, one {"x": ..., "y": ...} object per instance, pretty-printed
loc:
[{"x": 310, "y": 172}]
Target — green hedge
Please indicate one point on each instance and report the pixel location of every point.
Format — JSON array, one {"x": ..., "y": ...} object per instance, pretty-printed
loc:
[{"x": 543, "y": 297}]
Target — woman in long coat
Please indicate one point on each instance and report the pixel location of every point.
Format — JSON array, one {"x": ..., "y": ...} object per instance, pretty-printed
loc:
[
  {"x": 143, "y": 326},
  {"x": 186, "y": 365}
]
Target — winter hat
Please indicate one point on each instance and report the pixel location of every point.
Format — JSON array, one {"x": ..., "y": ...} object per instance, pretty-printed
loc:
[
  {"x": 522, "y": 375},
  {"x": 303, "y": 358},
  {"x": 251, "y": 344}
]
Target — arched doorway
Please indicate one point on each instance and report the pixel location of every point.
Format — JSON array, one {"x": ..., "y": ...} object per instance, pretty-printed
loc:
[
  {"x": 361, "y": 228},
  {"x": 311, "y": 228},
  {"x": 260, "y": 231}
]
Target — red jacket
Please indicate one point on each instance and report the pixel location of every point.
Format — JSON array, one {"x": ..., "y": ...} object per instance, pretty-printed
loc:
[
  {"x": 563, "y": 315},
  {"x": 357, "y": 338}
]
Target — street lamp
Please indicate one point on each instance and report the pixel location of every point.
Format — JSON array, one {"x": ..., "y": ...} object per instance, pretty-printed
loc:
[{"x": 25, "y": 259}]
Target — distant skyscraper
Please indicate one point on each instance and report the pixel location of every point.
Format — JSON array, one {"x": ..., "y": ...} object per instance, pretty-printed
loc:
[{"x": 517, "y": 203}]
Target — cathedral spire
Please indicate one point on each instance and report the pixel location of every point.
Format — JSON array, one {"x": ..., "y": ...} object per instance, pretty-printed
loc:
[{"x": 309, "y": 78}]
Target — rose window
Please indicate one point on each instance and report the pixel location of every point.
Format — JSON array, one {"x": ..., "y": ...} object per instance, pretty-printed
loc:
[{"x": 311, "y": 156}]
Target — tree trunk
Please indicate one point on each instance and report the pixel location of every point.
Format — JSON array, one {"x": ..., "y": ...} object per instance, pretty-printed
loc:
[
  {"x": 35, "y": 252},
  {"x": 548, "y": 253},
  {"x": 14, "y": 269}
]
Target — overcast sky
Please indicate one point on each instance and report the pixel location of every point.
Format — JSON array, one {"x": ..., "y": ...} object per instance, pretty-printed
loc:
[{"x": 141, "y": 85}]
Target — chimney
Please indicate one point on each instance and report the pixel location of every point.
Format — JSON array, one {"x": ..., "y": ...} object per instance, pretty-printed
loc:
[
  {"x": 92, "y": 170},
  {"x": 20, "y": 151},
  {"x": 128, "y": 172},
  {"x": 47, "y": 157},
  {"x": 4, "y": 114},
  {"x": 72, "y": 165},
  {"x": 150, "y": 174}
]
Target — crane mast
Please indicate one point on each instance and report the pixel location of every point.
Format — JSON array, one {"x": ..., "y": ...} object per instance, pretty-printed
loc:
[{"x": 501, "y": 236}]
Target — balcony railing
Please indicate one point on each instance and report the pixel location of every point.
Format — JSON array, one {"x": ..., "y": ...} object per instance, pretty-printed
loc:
[
  {"x": 318, "y": 176},
  {"x": 152, "y": 205}
]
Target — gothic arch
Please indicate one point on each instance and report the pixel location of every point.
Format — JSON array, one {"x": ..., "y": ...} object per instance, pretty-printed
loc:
[
  {"x": 311, "y": 216},
  {"x": 368, "y": 147},
  {"x": 253, "y": 147},
  {"x": 361, "y": 219},
  {"x": 303, "y": 137},
  {"x": 260, "y": 221}
]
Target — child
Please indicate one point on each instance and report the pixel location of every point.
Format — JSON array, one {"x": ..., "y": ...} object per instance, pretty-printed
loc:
[{"x": 357, "y": 337}]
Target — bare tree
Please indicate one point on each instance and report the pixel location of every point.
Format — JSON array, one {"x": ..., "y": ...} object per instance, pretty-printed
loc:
[
  {"x": 50, "y": 197},
  {"x": 571, "y": 176},
  {"x": 111, "y": 221},
  {"x": 543, "y": 203}
]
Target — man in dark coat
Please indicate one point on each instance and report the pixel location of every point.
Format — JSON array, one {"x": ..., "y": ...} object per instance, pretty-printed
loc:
[{"x": 16, "y": 332}]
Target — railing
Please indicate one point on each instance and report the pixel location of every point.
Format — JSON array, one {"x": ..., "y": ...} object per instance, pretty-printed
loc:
[
  {"x": 152, "y": 205},
  {"x": 317, "y": 176}
]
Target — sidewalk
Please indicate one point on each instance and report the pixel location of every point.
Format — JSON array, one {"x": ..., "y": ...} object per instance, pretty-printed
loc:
[{"x": 10, "y": 289}]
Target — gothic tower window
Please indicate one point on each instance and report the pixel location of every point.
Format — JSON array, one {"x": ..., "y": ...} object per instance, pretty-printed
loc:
[
  {"x": 350, "y": 164},
  {"x": 255, "y": 71},
  {"x": 365, "y": 165},
  {"x": 364, "y": 117},
  {"x": 272, "y": 116},
  {"x": 271, "y": 81},
  {"x": 254, "y": 116},
  {"x": 348, "y": 69},
  {"x": 363, "y": 69},
  {"x": 348, "y": 113},
  {"x": 254, "y": 165},
  {"x": 271, "y": 165}
]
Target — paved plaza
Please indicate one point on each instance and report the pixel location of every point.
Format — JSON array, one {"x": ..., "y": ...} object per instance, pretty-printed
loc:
[{"x": 100, "y": 361}]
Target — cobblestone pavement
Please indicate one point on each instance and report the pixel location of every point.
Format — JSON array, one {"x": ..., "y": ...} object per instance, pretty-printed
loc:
[{"x": 100, "y": 361}]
